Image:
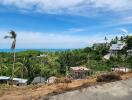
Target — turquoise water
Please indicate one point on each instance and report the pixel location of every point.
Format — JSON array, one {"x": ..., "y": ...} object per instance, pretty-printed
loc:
[{"x": 43, "y": 50}]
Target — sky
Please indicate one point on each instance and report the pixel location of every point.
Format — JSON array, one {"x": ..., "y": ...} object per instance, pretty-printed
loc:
[{"x": 63, "y": 23}]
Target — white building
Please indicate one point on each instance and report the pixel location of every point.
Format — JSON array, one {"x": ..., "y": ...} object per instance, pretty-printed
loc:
[{"x": 116, "y": 48}]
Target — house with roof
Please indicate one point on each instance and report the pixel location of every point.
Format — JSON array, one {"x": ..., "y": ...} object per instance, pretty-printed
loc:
[
  {"x": 20, "y": 81},
  {"x": 15, "y": 81},
  {"x": 116, "y": 48},
  {"x": 4, "y": 79},
  {"x": 79, "y": 72}
]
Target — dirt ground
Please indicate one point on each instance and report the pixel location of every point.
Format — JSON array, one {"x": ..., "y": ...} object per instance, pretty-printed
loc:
[{"x": 35, "y": 92}]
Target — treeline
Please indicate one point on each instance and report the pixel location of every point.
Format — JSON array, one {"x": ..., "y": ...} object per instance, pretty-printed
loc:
[{"x": 30, "y": 64}]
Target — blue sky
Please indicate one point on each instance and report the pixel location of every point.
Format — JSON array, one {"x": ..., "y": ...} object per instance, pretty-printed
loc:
[{"x": 63, "y": 23}]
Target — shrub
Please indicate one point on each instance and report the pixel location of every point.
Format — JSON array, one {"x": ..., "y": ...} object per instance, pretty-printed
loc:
[
  {"x": 109, "y": 77},
  {"x": 63, "y": 80}
]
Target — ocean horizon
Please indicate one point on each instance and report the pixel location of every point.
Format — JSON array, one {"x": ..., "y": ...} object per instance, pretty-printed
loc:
[{"x": 42, "y": 50}]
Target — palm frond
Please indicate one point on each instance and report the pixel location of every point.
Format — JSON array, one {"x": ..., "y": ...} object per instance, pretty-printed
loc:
[
  {"x": 13, "y": 34},
  {"x": 7, "y": 37}
]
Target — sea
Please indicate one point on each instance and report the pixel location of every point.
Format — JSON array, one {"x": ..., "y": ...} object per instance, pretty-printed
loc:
[{"x": 42, "y": 50}]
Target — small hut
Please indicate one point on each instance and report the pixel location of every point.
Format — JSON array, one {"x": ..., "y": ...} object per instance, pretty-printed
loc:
[
  {"x": 4, "y": 79},
  {"x": 20, "y": 82},
  {"x": 15, "y": 81},
  {"x": 79, "y": 72}
]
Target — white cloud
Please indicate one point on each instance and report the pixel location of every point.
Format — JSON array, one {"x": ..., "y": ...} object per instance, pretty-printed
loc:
[
  {"x": 125, "y": 20},
  {"x": 70, "y": 6},
  {"x": 51, "y": 40},
  {"x": 114, "y": 4},
  {"x": 124, "y": 30},
  {"x": 78, "y": 29}
]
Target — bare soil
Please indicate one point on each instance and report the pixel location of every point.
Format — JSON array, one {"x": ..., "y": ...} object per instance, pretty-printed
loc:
[{"x": 35, "y": 92}]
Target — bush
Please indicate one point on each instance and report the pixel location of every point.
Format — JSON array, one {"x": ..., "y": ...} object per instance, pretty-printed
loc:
[
  {"x": 63, "y": 80},
  {"x": 109, "y": 77}
]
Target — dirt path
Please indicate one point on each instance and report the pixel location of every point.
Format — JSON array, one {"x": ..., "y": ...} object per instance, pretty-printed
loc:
[
  {"x": 39, "y": 91},
  {"x": 120, "y": 90}
]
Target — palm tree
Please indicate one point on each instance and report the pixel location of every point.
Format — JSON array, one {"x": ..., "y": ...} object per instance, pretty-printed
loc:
[{"x": 13, "y": 36}]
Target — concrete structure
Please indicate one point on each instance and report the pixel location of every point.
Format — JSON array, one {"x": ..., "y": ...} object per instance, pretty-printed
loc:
[
  {"x": 38, "y": 80},
  {"x": 121, "y": 90},
  {"x": 79, "y": 72},
  {"x": 116, "y": 48},
  {"x": 122, "y": 69}
]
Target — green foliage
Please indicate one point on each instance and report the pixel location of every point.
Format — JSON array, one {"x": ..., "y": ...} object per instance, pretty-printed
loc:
[
  {"x": 29, "y": 65},
  {"x": 129, "y": 42},
  {"x": 71, "y": 59}
]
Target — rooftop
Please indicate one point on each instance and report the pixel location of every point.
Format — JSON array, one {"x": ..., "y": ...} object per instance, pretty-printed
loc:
[
  {"x": 119, "y": 46},
  {"x": 79, "y": 68},
  {"x": 14, "y": 79},
  {"x": 4, "y": 78},
  {"x": 20, "y": 80}
]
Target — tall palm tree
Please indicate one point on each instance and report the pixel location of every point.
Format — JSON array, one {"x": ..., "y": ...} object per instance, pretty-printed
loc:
[{"x": 13, "y": 36}]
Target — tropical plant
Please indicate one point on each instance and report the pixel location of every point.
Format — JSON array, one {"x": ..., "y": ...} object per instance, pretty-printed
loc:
[{"x": 13, "y": 36}]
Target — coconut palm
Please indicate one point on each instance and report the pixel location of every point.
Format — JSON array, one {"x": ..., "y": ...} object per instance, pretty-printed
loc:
[{"x": 12, "y": 36}]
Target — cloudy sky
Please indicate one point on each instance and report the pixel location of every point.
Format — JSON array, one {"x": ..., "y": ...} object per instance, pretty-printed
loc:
[{"x": 63, "y": 23}]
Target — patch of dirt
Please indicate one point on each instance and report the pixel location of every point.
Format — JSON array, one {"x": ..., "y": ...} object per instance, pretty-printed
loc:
[
  {"x": 109, "y": 77},
  {"x": 35, "y": 92}
]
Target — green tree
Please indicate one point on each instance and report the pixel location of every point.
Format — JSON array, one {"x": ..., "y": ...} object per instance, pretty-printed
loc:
[
  {"x": 12, "y": 36},
  {"x": 129, "y": 42}
]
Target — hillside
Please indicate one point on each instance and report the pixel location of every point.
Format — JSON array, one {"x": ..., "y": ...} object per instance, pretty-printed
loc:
[{"x": 35, "y": 92}]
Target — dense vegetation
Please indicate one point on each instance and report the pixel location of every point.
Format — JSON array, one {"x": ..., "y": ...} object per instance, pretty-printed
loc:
[{"x": 28, "y": 64}]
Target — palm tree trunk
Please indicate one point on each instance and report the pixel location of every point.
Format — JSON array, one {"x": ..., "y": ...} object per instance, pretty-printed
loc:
[{"x": 14, "y": 60}]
